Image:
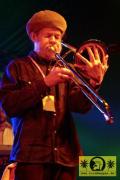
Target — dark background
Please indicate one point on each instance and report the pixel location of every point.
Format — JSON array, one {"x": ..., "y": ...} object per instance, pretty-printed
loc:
[{"x": 86, "y": 20}]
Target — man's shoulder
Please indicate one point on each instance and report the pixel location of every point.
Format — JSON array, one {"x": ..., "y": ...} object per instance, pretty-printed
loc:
[{"x": 18, "y": 62}]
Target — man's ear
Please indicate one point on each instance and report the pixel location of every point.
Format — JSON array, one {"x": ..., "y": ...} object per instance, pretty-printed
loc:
[{"x": 33, "y": 36}]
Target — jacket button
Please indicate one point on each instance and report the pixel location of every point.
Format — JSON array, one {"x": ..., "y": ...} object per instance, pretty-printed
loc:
[
  {"x": 55, "y": 149},
  {"x": 29, "y": 82}
]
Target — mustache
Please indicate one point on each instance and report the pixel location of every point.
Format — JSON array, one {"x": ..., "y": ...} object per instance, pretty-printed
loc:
[{"x": 52, "y": 48}]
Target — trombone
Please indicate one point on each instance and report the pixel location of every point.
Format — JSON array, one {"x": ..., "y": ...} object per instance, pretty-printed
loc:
[{"x": 86, "y": 88}]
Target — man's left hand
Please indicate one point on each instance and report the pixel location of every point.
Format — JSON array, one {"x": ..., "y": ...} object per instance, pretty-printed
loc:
[{"x": 94, "y": 68}]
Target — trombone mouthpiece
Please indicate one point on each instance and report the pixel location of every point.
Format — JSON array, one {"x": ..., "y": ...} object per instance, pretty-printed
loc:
[{"x": 52, "y": 48}]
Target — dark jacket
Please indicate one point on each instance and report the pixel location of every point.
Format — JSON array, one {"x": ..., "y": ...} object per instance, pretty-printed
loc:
[{"x": 41, "y": 136}]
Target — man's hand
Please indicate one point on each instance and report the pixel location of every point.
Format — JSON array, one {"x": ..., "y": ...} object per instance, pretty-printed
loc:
[
  {"x": 58, "y": 75},
  {"x": 94, "y": 68}
]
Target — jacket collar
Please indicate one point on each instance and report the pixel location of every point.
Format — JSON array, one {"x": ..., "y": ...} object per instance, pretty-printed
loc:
[{"x": 41, "y": 60}]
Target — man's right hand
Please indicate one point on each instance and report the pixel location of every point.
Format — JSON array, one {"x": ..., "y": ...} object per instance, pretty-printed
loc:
[{"x": 58, "y": 75}]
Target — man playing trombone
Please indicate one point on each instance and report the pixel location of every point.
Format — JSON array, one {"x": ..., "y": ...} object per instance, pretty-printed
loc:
[{"x": 39, "y": 97}]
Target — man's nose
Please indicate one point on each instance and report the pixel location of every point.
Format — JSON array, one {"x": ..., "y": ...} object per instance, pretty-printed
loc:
[{"x": 52, "y": 39}]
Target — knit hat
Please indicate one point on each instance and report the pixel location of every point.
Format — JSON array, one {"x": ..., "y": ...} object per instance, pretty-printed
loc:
[{"x": 46, "y": 18}]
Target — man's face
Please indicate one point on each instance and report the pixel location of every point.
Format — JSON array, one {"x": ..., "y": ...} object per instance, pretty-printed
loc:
[{"x": 45, "y": 39}]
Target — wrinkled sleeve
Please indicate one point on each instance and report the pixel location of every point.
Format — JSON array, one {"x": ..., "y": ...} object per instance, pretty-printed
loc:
[{"x": 16, "y": 97}]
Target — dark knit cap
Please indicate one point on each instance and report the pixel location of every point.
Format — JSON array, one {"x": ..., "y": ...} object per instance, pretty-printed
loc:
[{"x": 46, "y": 18}]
